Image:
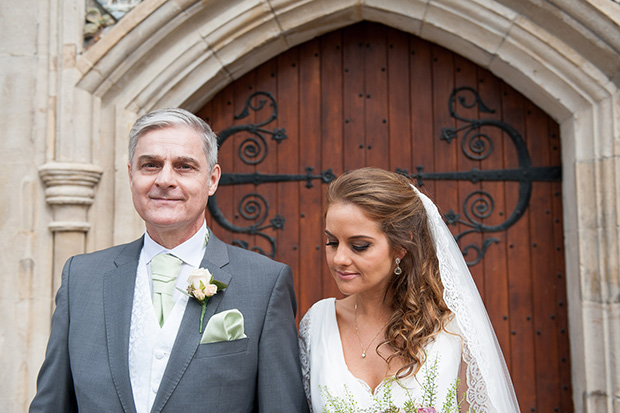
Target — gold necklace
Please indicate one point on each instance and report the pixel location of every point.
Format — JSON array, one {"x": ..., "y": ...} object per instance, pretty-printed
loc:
[{"x": 357, "y": 331}]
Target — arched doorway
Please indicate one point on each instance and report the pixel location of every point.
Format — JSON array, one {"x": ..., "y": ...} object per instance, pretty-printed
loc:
[{"x": 371, "y": 95}]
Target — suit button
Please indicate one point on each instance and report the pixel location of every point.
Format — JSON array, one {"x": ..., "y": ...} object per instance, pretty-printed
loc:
[{"x": 159, "y": 354}]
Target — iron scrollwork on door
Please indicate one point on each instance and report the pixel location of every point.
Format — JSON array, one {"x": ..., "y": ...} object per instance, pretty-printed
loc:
[
  {"x": 477, "y": 145},
  {"x": 252, "y": 151}
]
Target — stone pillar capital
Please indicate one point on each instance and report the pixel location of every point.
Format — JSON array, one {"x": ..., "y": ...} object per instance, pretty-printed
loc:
[{"x": 70, "y": 190}]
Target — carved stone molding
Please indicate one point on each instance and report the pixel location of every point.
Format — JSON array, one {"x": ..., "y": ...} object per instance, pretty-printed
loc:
[{"x": 70, "y": 190}]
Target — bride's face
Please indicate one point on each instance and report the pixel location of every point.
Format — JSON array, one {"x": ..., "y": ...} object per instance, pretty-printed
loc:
[{"x": 357, "y": 251}]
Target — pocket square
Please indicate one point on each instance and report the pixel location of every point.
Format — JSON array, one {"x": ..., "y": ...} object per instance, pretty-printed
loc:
[{"x": 224, "y": 326}]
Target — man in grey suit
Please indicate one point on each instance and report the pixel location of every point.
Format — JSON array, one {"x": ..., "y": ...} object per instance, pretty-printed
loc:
[{"x": 126, "y": 339}]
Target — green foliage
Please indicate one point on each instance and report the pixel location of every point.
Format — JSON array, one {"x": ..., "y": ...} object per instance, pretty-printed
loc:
[
  {"x": 335, "y": 404},
  {"x": 430, "y": 384},
  {"x": 385, "y": 403}
]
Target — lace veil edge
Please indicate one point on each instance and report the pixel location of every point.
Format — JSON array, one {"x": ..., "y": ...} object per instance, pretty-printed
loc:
[{"x": 489, "y": 387}]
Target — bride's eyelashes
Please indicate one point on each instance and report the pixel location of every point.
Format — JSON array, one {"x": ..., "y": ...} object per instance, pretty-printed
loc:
[
  {"x": 360, "y": 248},
  {"x": 354, "y": 247}
]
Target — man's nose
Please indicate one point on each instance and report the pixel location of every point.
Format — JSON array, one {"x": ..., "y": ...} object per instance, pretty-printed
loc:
[{"x": 166, "y": 177}]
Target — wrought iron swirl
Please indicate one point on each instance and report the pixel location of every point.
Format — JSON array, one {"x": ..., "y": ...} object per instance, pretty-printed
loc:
[
  {"x": 478, "y": 145},
  {"x": 252, "y": 151}
]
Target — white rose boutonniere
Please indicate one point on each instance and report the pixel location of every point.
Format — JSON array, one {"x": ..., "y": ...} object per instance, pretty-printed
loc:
[{"x": 201, "y": 286}]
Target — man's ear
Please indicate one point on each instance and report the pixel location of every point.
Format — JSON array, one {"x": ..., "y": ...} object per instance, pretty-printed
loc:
[{"x": 214, "y": 179}]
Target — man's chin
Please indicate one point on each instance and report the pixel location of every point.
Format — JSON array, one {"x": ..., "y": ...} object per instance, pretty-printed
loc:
[
  {"x": 166, "y": 223},
  {"x": 165, "y": 218}
]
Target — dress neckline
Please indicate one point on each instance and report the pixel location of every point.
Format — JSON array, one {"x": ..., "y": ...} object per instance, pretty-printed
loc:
[{"x": 344, "y": 361}]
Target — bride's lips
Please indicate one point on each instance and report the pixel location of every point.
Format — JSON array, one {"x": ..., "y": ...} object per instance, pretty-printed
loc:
[{"x": 346, "y": 275}]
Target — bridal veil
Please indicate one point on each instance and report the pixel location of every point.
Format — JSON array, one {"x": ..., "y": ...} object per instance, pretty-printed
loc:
[{"x": 489, "y": 387}]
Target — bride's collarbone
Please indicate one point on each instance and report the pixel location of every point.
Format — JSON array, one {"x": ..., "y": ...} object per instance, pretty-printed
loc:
[
  {"x": 372, "y": 369},
  {"x": 359, "y": 339}
]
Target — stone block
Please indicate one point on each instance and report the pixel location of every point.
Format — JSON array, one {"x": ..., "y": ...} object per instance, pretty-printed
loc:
[{"x": 527, "y": 72}]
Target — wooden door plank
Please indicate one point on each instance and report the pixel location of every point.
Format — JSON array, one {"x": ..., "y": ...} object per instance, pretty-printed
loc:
[
  {"x": 242, "y": 158},
  {"x": 353, "y": 97},
  {"x": 423, "y": 137},
  {"x": 496, "y": 291},
  {"x": 543, "y": 284},
  {"x": 206, "y": 113},
  {"x": 519, "y": 269},
  {"x": 223, "y": 112},
  {"x": 465, "y": 76},
  {"x": 560, "y": 302},
  {"x": 266, "y": 82},
  {"x": 311, "y": 223},
  {"x": 288, "y": 163},
  {"x": 332, "y": 127},
  {"x": 399, "y": 103},
  {"x": 444, "y": 153},
  {"x": 376, "y": 96}
]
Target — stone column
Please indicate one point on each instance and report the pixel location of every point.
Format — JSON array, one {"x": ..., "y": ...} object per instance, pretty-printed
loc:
[{"x": 69, "y": 190}]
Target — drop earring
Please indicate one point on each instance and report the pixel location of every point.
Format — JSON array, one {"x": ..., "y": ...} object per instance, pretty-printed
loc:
[{"x": 398, "y": 270}]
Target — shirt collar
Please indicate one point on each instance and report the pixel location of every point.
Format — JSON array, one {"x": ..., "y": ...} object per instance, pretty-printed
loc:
[{"x": 191, "y": 251}]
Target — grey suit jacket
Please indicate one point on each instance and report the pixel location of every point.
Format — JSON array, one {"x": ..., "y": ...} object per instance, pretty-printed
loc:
[{"x": 86, "y": 363}]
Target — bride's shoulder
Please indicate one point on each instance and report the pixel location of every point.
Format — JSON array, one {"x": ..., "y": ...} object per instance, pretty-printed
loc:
[
  {"x": 452, "y": 328},
  {"x": 449, "y": 337},
  {"x": 316, "y": 314},
  {"x": 320, "y": 307}
]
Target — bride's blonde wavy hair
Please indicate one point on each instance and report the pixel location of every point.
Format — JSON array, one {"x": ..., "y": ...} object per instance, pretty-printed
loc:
[{"x": 418, "y": 308}]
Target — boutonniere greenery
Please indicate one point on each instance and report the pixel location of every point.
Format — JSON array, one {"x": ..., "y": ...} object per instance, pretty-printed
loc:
[{"x": 201, "y": 286}]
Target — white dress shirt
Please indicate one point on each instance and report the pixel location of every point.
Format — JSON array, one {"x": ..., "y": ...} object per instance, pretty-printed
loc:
[{"x": 149, "y": 344}]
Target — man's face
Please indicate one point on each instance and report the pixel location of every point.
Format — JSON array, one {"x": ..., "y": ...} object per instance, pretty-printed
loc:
[{"x": 171, "y": 182}]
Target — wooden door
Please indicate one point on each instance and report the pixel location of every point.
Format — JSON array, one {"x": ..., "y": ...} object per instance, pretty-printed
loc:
[{"x": 371, "y": 95}]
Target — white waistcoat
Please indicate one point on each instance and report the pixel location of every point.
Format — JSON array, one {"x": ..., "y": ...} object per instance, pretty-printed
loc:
[{"x": 149, "y": 345}]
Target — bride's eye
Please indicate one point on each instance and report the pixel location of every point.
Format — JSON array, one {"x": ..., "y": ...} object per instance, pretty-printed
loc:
[
  {"x": 360, "y": 248},
  {"x": 331, "y": 243}
]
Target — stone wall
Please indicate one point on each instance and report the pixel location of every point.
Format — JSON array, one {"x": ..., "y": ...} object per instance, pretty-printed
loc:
[{"x": 25, "y": 285}]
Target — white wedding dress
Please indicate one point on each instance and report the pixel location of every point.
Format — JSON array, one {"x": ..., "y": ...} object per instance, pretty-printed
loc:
[{"x": 327, "y": 380}]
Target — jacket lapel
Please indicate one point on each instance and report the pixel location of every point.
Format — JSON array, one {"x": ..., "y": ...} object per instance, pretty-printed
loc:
[
  {"x": 188, "y": 337},
  {"x": 118, "y": 292}
]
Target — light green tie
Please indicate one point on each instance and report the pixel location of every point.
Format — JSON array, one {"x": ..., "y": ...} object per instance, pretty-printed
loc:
[{"x": 164, "y": 271}]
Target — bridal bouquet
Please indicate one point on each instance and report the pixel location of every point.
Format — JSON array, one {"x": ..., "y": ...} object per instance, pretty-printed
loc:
[{"x": 385, "y": 403}]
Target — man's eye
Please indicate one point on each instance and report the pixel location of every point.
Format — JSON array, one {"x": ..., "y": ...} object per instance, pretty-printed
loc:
[{"x": 149, "y": 165}]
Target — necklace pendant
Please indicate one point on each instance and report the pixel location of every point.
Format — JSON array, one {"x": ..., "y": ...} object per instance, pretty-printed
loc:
[{"x": 364, "y": 355}]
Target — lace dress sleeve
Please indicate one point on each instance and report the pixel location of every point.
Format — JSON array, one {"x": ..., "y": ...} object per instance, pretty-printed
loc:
[{"x": 304, "y": 354}]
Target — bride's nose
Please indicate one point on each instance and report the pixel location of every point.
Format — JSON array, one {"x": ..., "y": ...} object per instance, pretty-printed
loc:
[{"x": 341, "y": 257}]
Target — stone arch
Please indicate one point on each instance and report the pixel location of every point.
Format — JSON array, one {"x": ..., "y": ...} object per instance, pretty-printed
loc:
[{"x": 563, "y": 55}]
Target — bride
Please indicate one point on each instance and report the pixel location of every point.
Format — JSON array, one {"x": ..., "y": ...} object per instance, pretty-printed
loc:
[{"x": 412, "y": 332}]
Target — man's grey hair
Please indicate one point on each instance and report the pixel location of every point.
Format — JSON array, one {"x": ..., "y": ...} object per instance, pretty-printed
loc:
[{"x": 170, "y": 117}]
